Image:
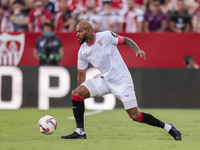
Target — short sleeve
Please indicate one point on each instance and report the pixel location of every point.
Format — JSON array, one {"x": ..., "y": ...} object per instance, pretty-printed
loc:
[
  {"x": 112, "y": 37},
  {"x": 140, "y": 14},
  {"x": 121, "y": 18},
  {"x": 82, "y": 63}
]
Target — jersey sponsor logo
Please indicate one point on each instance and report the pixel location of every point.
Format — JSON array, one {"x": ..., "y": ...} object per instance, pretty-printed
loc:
[
  {"x": 100, "y": 42},
  {"x": 114, "y": 34},
  {"x": 97, "y": 76},
  {"x": 11, "y": 48},
  {"x": 127, "y": 95}
]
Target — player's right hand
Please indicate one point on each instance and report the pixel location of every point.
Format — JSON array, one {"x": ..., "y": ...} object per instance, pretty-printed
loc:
[{"x": 141, "y": 53}]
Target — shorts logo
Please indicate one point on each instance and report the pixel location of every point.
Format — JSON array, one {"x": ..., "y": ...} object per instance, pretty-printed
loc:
[
  {"x": 11, "y": 48},
  {"x": 100, "y": 42},
  {"x": 127, "y": 95},
  {"x": 97, "y": 76},
  {"x": 114, "y": 34}
]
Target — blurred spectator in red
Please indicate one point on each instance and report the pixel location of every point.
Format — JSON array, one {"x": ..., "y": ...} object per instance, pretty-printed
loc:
[
  {"x": 172, "y": 6},
  {"x": 89, "y": 13},
  {"x": 107, "y": 18},
  {"x": 189, "y": 62},
  {"x": 19, "y": 19},
  {"x": 38, "y": 16},
  {"x": 140, "y": 2},
  {"x": 83, "y": 5},
  {"x": 49, "y": 5},
  {"x": 72, "y": 5},
  {"x": 132, "y": 20},
  {"x": 5, "y": 24},
  {"x": 63, "y": 19},
  {"x": 180, "y": 20},
  {"x": 119, "y": 5},
  {"x": 155, "y": 20}
]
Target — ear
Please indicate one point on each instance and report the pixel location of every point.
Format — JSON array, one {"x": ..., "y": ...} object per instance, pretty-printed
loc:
[
  {"x": 88, "y": 31},
  {"x": 91, "y": 30}
]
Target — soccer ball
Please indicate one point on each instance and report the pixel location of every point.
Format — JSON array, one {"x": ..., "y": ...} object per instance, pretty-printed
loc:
[{"x": 47, "y": 125}]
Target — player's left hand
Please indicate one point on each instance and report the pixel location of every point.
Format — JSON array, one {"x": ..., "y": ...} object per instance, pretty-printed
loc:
[{"x": 141, "y": 53}]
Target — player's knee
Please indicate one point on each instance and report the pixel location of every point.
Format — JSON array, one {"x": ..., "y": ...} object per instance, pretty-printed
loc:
[{"x": 75, "y": 92}]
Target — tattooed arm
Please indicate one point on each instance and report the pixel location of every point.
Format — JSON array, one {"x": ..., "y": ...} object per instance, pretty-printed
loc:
[
  {"x": 132, "y": 45},
  {"x": 81, "y": 77}
]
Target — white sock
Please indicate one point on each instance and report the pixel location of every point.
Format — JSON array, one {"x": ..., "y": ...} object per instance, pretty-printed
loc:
[
  {"x": 167, "y": 127},
  {"x": 80, "y": 131}
]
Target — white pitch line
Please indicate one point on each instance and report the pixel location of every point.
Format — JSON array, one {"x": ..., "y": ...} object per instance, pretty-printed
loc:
[{"x": 89, "y": 113}]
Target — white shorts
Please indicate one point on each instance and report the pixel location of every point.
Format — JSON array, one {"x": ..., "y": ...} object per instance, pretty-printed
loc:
[{"x": 124, "y": 91}]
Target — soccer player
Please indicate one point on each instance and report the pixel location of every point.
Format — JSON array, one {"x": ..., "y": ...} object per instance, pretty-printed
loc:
[{"x": 100, "y": 49}]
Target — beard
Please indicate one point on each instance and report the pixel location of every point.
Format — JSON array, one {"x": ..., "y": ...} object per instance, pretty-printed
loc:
[{"x": 83, "y": 39}]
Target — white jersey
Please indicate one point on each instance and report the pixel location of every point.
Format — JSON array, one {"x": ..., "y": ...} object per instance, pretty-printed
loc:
[
  {"x": 104, "y": 55},
  {"x": 131, "y": 18}
]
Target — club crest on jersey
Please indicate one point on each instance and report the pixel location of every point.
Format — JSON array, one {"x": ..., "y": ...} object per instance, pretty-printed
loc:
[
  {"x": 100, "y": 42},
  {"x": 114, "y": 34}
]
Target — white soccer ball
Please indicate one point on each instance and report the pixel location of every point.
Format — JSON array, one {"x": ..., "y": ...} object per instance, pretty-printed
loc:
[{"x": 47, "y": 125}]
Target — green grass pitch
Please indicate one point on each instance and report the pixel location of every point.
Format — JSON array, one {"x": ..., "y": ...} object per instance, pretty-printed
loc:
[{"x": 109, "y": 130}]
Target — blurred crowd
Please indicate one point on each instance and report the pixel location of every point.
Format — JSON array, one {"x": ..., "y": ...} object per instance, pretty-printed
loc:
[{"x": 130, "y": 16}]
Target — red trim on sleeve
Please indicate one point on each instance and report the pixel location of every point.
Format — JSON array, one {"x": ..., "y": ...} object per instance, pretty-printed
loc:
[
  {"x": 120, "y": 40},
  {"x": 140, "y": 117},
  {"x": 77, "y": 98},
  {"x": 82, "y": 69}
]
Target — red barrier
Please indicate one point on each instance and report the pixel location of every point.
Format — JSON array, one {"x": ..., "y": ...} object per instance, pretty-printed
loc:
[{"x": 163, "y": 50}]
